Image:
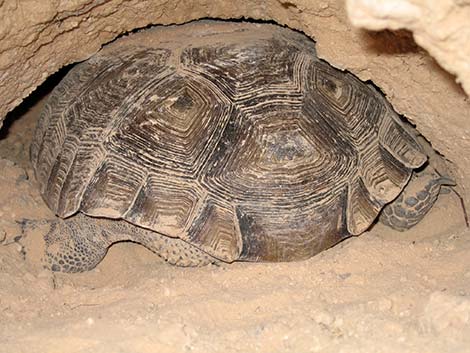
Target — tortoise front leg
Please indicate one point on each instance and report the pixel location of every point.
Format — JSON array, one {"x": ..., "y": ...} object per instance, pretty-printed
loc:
[{"x": 415, "y": 201}]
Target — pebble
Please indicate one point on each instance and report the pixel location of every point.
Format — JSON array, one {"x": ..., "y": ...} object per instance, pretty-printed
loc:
[
  {"x": 18, "y": 247},
  {"x": 404, "y": 313},
  {"x": 324, "y": 318},
  {"x": 383, "y": 304},
  {"x": 29, "y": 277},
  {"x": 90, "y": 321},
  {"x": 339, "y": 322},
  {"x": 345, "y": 275}
]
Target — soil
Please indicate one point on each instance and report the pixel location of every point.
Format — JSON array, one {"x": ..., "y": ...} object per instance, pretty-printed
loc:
[{"x": 383, "y": 291}]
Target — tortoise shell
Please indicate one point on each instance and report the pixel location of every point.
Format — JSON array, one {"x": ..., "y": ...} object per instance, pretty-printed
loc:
[{"x": 234, "y": 137}]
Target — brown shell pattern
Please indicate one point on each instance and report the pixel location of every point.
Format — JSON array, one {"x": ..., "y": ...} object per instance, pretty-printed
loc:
[{"x": 233, "y": 137}]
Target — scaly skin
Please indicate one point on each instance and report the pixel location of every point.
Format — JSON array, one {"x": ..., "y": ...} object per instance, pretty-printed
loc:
[
  {"x": 80, "y": 242},
  {"x": 415, "y": 201}
]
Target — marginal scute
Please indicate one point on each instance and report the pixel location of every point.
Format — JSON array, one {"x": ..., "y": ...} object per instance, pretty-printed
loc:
[
  {"x": 112, "y": 189},
  {"x": 214, "y": 231},
  {"x": 382, "y": 175},
  {"x": 362, "y": 209},
  {"x": 165, "y": 206},
  {"x": 59, "y": 171},
  {"x": 400, "y": 143},
  {"x": 273, "y": 234},
  {"x": 85, "y": 161}
]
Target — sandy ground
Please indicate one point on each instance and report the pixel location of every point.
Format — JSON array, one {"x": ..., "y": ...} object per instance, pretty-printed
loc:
[{"x": 381, "y": 292}]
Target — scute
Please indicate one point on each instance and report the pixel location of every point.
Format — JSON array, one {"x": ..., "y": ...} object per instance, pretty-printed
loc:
[
  {"x": 164, "y": 205},
  {"x": 235, "y": 138},
  {"x": 214, "y": 231}
]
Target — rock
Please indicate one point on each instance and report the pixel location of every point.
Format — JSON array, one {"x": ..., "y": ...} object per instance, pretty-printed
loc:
[
  {"x": 441, "y": 27},
  {"x": 444, "y": 311},
  {"x": 324, "y": 318},
  {"x": 381, "y": 305}
]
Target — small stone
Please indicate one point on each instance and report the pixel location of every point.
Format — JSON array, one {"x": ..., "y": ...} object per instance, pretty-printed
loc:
[
  {"x": 29, "y": 277},
  {"x": 19, "y": 247},
  {"x": 345, "y": 275},
  {"x": 383, "y": 304},
  {"x": 90, "y": 321},
  {"x": 404, "y": 313},
  {"x": 452, "y": 237},
  {"x": 324, "y": 318},
  {"x": 449, "y": 247},
  {"x": 339, "y": 322}
]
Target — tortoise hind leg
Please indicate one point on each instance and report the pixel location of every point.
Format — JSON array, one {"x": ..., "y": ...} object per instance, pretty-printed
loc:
[
  {"x": 79, "y": 243},
  {"x": 415, "y": 201},
  {"x": 173, "y": 250},
  {"x": 178, "y": 252}
]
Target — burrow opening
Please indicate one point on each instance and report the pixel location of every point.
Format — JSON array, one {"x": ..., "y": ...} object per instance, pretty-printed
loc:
[{"x": 399, "y": 282}]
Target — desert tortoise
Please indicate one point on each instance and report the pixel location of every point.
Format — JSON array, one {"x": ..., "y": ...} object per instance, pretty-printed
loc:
[{"x": 218, "y": 141}]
